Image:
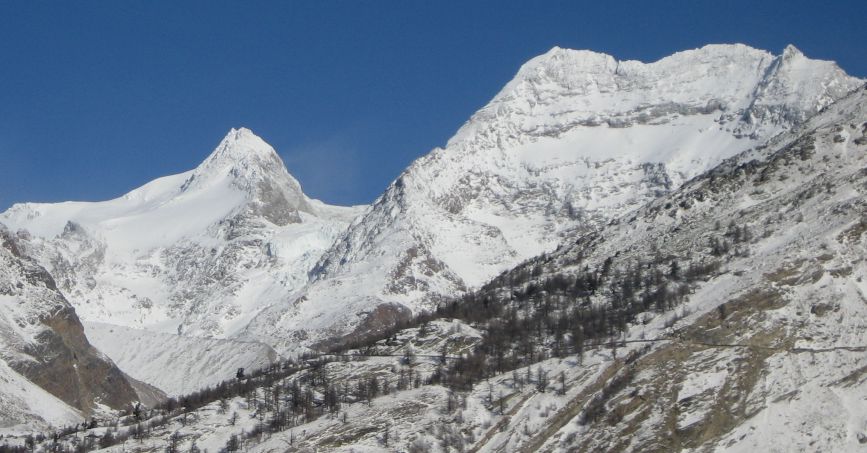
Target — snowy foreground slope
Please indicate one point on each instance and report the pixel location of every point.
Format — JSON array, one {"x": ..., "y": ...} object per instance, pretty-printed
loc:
[
  {"x": 744, "y": 308},
  {"x": 575, "y": 139}
]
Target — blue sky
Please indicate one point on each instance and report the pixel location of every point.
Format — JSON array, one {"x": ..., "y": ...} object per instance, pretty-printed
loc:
[{"x": 97, "y": 98}]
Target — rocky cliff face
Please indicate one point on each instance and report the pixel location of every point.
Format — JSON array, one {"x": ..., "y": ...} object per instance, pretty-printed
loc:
[
  {"x": 575, "y": 140},
  {"x": 43, "y": 341}
]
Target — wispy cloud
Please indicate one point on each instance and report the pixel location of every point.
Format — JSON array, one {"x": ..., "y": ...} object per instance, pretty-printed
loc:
[{"x": 330, "y": 170}]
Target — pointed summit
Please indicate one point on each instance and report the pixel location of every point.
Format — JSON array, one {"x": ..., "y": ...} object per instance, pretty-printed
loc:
[
  {"x": 239, "y": 145},
  {"x": 795, "y": 87},
  {"x": 791, "y": 52},
  {"x": 245, "y": 157},
  {"x": 244, "y": 161}
]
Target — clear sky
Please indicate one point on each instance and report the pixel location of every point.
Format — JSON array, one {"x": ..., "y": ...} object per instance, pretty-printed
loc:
[{"x": 97, "y": 98}]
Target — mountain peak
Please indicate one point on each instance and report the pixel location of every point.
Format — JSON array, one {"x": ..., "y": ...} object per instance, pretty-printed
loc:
[
  {"x": 240, "y": 144},
  {"x": 241, "y": 133},
  {"x": 791, "y": 51},
  {"x": 558, "y": 63},
  {"x": 244, "y": 160},
  {"x": 795, "y": 87},
  {"x": 563, "y": 89},
  {"x": 242, "y": 155}
]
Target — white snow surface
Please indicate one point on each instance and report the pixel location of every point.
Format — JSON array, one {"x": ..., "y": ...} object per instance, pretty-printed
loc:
[{"x": 176, "y": 364}]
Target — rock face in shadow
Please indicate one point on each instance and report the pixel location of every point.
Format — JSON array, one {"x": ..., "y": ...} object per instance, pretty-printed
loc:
[
  {"x": 73, "y": 370},
  {"x": 42, "y": 338}
]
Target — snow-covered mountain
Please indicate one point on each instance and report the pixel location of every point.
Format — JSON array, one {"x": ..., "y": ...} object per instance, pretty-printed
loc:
[
  {"x": 233, "y": 248},
  {"x": 198, "y": 253},
  {"x": 728, "y": 315},
  {"x": 576, "y": 139}
]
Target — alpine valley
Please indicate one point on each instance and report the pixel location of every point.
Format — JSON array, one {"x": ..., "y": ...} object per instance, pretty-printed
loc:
[{"x": 608, "y": 256}]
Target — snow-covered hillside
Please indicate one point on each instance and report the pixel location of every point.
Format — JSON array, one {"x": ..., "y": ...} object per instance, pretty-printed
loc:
[
  {"x": 24, "y": 406},
  {"x": 198, "y": 253},
  {"x": 575, "y": 139}
]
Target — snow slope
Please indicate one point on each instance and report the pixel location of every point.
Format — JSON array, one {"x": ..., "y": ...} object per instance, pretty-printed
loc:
[
  {"x": 575, "y": 139},
  {"x": 177, "y": 365}
]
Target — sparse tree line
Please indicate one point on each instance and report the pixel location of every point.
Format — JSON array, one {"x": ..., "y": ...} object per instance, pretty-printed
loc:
[
  {"x": 279, "y": 397},
  {"x": 535, "y": 311}
]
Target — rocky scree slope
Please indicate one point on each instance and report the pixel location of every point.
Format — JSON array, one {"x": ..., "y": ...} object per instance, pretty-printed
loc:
[{"x": 575, "y": 139}]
